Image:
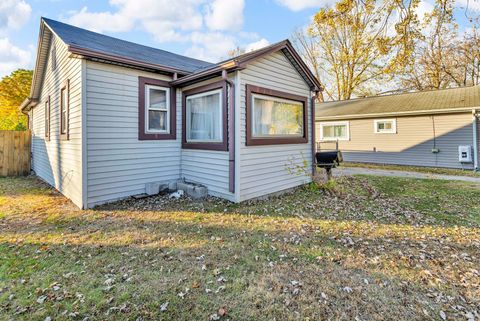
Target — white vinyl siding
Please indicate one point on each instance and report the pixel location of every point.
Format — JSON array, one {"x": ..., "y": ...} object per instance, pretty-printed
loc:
[
  {"x": 118, "y": 164},
  {"x": 264, "y": 169},
  {"x": 412, "y": 144},
  {"x": 59, "y": 162},
  {"x": 207, "y": 167}
]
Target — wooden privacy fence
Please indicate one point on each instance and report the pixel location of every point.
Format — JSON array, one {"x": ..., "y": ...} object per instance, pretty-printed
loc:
[{"x": 14, "y": 153}]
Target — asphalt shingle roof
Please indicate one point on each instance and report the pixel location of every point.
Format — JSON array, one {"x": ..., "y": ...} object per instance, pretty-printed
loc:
[
  {"x": 112, "y": 46},
  {"x": 463, "y": 97}
]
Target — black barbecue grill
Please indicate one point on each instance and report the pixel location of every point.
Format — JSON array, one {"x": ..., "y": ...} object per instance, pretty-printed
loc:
[{"x": 328, "y": 160}]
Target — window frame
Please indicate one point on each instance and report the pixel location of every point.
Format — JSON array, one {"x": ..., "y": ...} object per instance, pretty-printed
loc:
[
  {"x": 251, "y": 140},
  {"x": 65, "y": 135},
  {"x": 188, "y": 114},
  {"x": 202, "y": 91},
  {"x": 143, "y": 132},
  {"x": 392, "y": 131},
  {"x": 147, "y": 109},
  {"x": 334, "y": 123},
  {"x": 48, "y": 122}
]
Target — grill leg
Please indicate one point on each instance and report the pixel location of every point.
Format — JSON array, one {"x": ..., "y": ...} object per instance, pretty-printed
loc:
[{"x": 329, "y": 173}]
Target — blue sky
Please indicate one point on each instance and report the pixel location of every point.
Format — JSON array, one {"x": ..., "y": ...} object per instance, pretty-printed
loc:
[{"x": 204, "y": 29}]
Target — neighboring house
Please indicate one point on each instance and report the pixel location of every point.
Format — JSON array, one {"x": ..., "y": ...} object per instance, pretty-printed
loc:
[
  {"x": 109, "y": 116},
  {"x": 421, "y": 129}
]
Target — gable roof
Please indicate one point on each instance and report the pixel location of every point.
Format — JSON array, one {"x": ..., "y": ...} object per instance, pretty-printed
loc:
[
  {"x": 86, "y": 42},
  {"x": 104, "y": 48},
  {"x": 423, "y": 102},
  {"x": 240, "y": 62}
]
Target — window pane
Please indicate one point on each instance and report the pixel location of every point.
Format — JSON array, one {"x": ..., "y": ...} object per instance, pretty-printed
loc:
[
  {"x": 334, "y": 131},
  {"x": 157, "y": 120},
  {"x": 158, "y": 99},
  {"x": 328, "y": 131},
  {"x": 204, "y": 121},
  {"x": 277, "y": 118},
  {"x": 340, "y": 131}
]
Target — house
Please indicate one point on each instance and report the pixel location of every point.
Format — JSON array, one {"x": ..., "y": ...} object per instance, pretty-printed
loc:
[
  {"x": 429, "y": 128},
  {"x": 108, "y": 117}
]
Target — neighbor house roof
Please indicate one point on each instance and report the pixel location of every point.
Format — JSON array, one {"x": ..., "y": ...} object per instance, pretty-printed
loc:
[{"x": 423, "y": 102}]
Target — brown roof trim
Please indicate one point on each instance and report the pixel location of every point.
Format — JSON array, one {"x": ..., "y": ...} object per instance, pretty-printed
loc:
[
  {"x": 123, "y": 60},
  {"x": 399, "y": 114},
  {"x": 255, "y": 141},
  {"x": 221, "y": 146},
  {"x": 241, "y": 61}
]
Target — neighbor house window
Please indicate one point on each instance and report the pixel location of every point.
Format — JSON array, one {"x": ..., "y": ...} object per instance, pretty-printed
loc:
[
  {"x": 47, "y": 119},
  {"x": 334, "y": 131},
  {"x": 156, "y": 110},
  {"x": 275, "y": 117},
  {"x": 205, "y": 117},
  {"x": 64, "y": 110},
  {"x": 385, "y": 126}
]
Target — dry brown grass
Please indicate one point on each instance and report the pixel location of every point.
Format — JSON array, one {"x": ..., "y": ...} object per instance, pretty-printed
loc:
[{"x": 370, "y": 248}]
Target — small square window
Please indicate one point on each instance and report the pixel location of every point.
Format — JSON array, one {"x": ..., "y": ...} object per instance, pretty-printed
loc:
[{"x": 385, "y": 126}]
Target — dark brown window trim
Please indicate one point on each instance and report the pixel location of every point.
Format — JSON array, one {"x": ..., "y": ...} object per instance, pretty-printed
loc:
[
  {"x": 142, "y": 135},
  {"x": 221, "y": 146},
  {"x": 48, "y": 122},
  {"x": 66, "y": 135},
  {"x": 252, "y": 141}
]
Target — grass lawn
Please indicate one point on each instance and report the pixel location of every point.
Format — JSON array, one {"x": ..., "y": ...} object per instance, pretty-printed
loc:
[
  {"x": 370, "y": 248},
  {"x": 420, "y": 169}
]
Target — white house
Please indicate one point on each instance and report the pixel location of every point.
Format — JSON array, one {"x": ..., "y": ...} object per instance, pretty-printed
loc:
[{"x": 110, "y": 116}]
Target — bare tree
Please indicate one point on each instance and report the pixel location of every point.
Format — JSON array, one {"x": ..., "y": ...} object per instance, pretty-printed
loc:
[{"x": 357, "y": 43}]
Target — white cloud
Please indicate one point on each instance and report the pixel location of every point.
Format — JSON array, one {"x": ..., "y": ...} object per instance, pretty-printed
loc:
[
  {"x": 161, "y": 18},
  {"x": 470, "y": 5},
  {"x": 12, "y": 57},
  {"x": 225, "y": 14},
  {"x": 13, "y": 14},
  {"x": 257, "y": 45},
  {"x": 298, "y": 5},
  {"x": 210, "y": 46},
  {"x": 210, "y": 28},
  {"x": 100, "y": 21}
]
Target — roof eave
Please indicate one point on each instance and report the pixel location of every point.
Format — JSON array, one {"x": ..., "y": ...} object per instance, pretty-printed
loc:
[
  {"x": 242, "y": 61},
  {"x": 400, "y": 113},
  {"x": 127, "y": 61},
  {"x": 204, "y": 75},
  {"x": 28, "y": 104}
]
